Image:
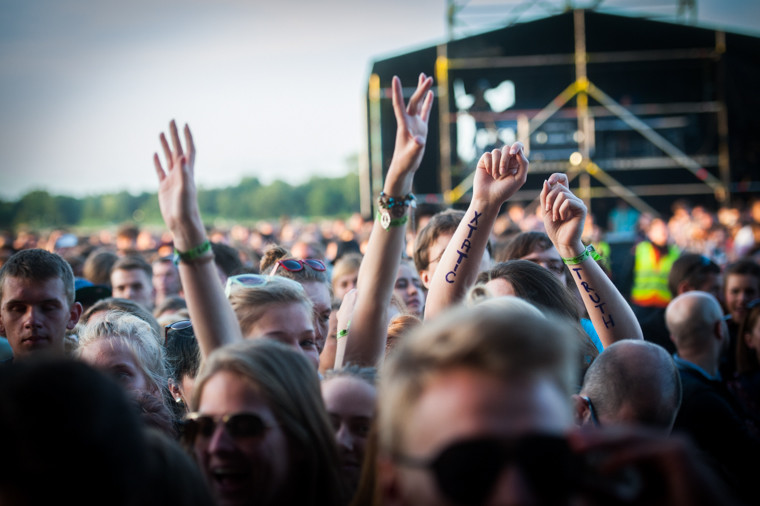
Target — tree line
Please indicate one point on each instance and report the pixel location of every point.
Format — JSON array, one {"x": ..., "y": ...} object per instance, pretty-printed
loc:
[{"x": 247, "y": 201}]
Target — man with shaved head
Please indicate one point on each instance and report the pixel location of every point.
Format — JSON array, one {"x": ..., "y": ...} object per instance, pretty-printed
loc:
[
  {"x": 708, "y": 414},
  {"x": 632, "y": 381}
]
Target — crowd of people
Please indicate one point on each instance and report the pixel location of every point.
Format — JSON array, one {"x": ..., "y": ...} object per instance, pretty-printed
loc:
[{"x": 427, "y": 356}]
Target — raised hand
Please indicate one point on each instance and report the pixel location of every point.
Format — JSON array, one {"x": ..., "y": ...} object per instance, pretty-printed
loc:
[
  {"x": 412, "y": 125},
  {"x": 500, "y": 174},
  {"x": 214, "y": 321},
  {"x": 564, "y": 215},
  {"x": 177, "y": 195}
]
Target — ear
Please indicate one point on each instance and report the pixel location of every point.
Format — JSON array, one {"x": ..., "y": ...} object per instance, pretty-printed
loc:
[
  {"x": 683, "y": 287},
  {"x": 175, "y": 390},
  {"x": 388, "y": 486},
  {"x": 581, "y": 413},
  {"x": 425, "y": 278},
  {"x": 747, "y": 338},
  {"x": 720, "y": 330},
  {"x": 75, "y": 311}
]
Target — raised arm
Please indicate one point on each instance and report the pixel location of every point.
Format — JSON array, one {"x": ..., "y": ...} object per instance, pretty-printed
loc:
[
  {"x": 564, "y": 215},
  {"x": 365, "y": 342},
  {"x": 214, "y": 322},
  {"x": 498, "y": 176}
]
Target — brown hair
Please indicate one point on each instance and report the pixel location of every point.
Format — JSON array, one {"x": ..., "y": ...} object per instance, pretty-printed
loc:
[
  {"x": 538, "y": 286},
  {"x": 523, "y": 244},
  {"x": 290, "y": 386},
  {"x": 399, "y": 328},
  {"x": 445, "y": 222},
  {"x": 39, "y": 265},
  {"x": 97, "y": 266},
  {"x": 131, "y": 263}
]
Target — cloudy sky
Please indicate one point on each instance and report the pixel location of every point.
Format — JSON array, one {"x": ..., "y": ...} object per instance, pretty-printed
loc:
[{"x": 271, "y": 89}]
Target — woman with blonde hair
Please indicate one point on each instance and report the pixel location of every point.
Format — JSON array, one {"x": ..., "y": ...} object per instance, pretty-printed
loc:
[
  {"x": 345, "y": 274},
  {"x": 274, "y": 307}
]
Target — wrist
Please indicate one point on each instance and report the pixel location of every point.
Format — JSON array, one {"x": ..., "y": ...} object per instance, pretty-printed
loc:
[
  {"x": 485, "y": 206},
  {"x": 571, "y": 250},
  {"x": 188, "y": 234},
  {"x": 398, "y": 186},
  {"x": 588, "y": 252}
]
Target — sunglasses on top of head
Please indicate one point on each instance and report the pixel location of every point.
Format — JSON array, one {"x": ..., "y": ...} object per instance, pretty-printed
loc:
[
  {"x": 294, "y": 265},
  {"x": 252, "y": 280},
  {"x": 184, "y": 326}
]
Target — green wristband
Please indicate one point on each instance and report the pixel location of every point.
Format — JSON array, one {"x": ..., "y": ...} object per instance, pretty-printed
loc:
[
  {"x": 342, "y": 333},
  {"x": 193, "y": 254},
  {"x": 588, "y": 252},
  {"x": 386, "y": 221}
]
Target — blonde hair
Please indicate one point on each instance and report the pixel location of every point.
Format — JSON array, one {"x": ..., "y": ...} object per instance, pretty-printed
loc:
[
  {"x": 251, "y": 302},
  {"x": 134, "y": 334},
  {"x": 347, "y": 264},
  {"x": 504, "y": 337}
]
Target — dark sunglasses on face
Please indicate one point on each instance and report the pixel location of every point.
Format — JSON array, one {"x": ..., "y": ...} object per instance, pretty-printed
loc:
[
  {"x": 180, "y": 326},
  {"x": 467, "y": 471},
  {"x": 238, "y": 425},
  {"x": 293, "y": 265}
]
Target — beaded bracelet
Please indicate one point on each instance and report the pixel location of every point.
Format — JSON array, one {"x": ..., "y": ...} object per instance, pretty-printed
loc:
[
  {"x": 588, "y": 252},
  {"x": 192, "y": 254},
  {"x": 387, "y": 202}
]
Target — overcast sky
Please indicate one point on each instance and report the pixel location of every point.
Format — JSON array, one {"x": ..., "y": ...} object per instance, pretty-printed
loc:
[{"x": 270, "y": 89}]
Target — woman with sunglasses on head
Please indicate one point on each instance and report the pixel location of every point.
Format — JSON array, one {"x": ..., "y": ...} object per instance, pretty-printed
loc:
[
  {"x": 276, "y": 308},
  {"x": 313, "y": 276},
  {"x": 259, "y": 429},
  {"x": 184, "y": 358}
]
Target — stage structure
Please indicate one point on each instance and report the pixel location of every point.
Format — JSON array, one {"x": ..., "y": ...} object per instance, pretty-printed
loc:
[{"x": 631, "y": 109}]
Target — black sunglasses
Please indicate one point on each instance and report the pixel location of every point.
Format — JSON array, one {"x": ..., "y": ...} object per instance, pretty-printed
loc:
[
  {"x": 237, "y": 425},
  {"x": 181, "y": 325},
  {"x": 466, "y": 471}
]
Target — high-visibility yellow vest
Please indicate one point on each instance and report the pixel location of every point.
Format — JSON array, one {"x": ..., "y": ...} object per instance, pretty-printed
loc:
[{"x": 650, "y": 275}]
